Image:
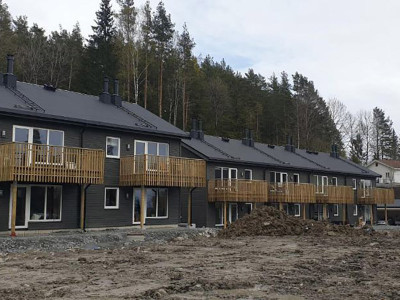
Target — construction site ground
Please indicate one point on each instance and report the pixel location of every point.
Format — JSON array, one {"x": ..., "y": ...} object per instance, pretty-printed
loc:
[{"x": 196, "y": 264}]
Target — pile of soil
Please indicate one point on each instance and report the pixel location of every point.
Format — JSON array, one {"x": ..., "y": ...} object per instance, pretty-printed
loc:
[{"x": 269, "y": 221}]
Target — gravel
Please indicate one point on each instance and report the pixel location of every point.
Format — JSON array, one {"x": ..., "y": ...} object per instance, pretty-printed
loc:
[{"x": 96, "y": 240}]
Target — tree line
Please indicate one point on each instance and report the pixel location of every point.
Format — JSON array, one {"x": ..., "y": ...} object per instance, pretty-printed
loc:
[{"x": 157, "y": 69}]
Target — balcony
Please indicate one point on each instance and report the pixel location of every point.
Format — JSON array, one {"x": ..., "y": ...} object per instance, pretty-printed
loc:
[
  {"x": 375, "y": 196},
  {"x": 335, "y": 195},
  {"x": 25, "y": 162},
  {"x": 237, "y": 190},
  {"x": 151, "y": 170},
  {"x": 292, "y": 192}
]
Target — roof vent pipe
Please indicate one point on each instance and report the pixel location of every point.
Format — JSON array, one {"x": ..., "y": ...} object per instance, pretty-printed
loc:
[
  {"x": 193, "y": 131},
  {"x": 289, "y": 146},
  {"x": 116, "y": 99},
  {"x": 105, "y": 96},
  {"x": 200, "y": 130},
  {"x": 9, "y": 79}
]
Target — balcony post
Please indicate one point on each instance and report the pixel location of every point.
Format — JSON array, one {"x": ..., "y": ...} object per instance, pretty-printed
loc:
[
  {"x": 225, "y": 215},
  {"x": 142, "y": 207},
  {"x": 371, "y": 209},
  {"x": 281, "y": 206},
  {"x": 324, "y": 212},
  {"x": 304, "y": 211},
  {"x": 83, "y": 198},
  {"x": 344, "y": 214},
  {"x": 14, "y": 209}
]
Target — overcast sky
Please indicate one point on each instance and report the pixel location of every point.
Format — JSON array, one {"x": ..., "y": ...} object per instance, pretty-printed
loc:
[{"x": 350, "y": 49}]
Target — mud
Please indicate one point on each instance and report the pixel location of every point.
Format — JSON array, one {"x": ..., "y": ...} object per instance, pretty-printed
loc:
[
  {"x": 269, "y": 221},
  {"x": 250, "y": 267}
]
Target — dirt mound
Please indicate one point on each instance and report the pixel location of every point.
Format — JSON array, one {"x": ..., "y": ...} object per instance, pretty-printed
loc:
[{"x": 271, "y": 221}]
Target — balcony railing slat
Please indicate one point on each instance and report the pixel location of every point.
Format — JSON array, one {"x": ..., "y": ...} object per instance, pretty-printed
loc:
[
  {"x": 151, "y": 170},
  {"x": 25, "y": 162}
]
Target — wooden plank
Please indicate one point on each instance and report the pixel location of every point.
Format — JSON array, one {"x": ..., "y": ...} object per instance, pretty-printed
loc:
[
  {"x": 83, "y": 200},
  {"x": 142, "y": 207},
  {"x": 14, "y": 209},
  {"x": 190, "y": 209},
  {"x": 225, "y": 214}
]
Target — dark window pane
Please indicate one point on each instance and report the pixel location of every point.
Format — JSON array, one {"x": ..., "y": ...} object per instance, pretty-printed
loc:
[
  {"x": 218, "y": 173},
  {"x": 53, "y": 203},
  {"x": 111, "y": 197},
  {"x": 233, "y": 174},
  {"x": 151, "y": 200},
  {"x": 225, "y": 173},
  {"x": 163, "y": 149},
  {"x": 37, "y": 202},
  {"x": 140, "y": 148},
  {"x": 112, "y": 146},
  {"x": 21, "y": 135},
  {"x": 247, "y": 174},
  {"x": 162, "y": 202},
  {"x": 56, "y": 138},
  {"x": 152, "y": 148},
  {"x": 40, "y": 136},
  {"x": 137, "y": 197}
]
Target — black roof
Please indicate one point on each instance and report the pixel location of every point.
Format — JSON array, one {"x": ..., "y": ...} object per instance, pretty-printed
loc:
[
  {"x": 231, "y": 150},
  {"x": 82, "y": 108}
]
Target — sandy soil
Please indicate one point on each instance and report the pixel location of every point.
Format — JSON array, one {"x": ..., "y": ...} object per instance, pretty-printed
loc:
[{"x": 329, "y": 267}]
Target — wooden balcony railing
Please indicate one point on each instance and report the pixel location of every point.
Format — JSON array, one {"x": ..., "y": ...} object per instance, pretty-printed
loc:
[
  {"x": 25, "y": 162},
  {"x": 292, "y": 192},
  {"x": 375, "y": 196},
  {"x": 336, "y": 195},
  {"x": 237, "y": 190},
  {"x": 150, "y": 170}
]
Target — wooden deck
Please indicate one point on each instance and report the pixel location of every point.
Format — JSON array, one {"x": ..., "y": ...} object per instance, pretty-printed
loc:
[
  {"x": 25, "y": 162},
  {"x": 375, "y": 196},
  {"x": 237, "y": 190},
  {"x": 150, "y": 170},
  {"x": 292, "y": 192},
  {"x": 336, "y": 195}
]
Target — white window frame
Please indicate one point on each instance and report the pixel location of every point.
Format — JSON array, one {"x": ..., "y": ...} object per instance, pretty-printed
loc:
[
  {"x": 355, "y": 210},
  {"x": 30, "y": 141},
  {"x": 220, "y": 210},
  {"x": 105, "y": 198},
  {"x": 158, "y": 217},
  {"x": 365, "y": 188},
  {"x": 251, "y": 205},
  {"x": 336, "y": 181},
  {"x": 251, "y": 173},
  {"x": 299, "y": 206},
  {"x": 322, "y": 185},
  {"x": 230, "y": 206},
  {"x": 28, "y": 205},
  {"x": 298, "y": 178},
  {"x": 280, "y": 175},
  {"x": 146, "y": 147},
  {"x": 336, "y": 210},
  {"x": 119, "y": 147},
  {"x": 354, "y": 184}
]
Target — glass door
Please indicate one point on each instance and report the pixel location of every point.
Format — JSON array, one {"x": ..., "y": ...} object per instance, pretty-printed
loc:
[
  {"x": 21, "y": 220},
  {"x": 136, "y": 206},
  {"x": 233, "y": 212}
]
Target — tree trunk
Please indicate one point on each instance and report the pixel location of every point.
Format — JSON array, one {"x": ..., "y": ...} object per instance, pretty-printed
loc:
[
  {"x": 160, "y": 89},
  {"x": 184, "y": 103}
]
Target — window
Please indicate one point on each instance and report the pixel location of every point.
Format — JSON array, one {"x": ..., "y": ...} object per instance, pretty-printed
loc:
[
  {"x": 151, "y": 148},
  {"x": 113, "y": 147},
  {"x": 45, "y": 203},
  {"x": 355, "y": 210},
  {"x": 354, "y": 184},
  {"x": 156, "y": 201},
  {"x": 219, "y": 214},
  {"x": 321, "y": 183},
  {"x": 248, "y": 207},
  {"x": 334, "y": 181},
  {"x": 248, "y": 174},
  {"x": 335, "y": 210},
  {"x": 387, "y": 175},
  {"x": 38, "y": 136},
  {"x": 279, "y": 178},
  {"x": 225, "y": 173},
  {"x": 296, "y": 178},
  {"x": 111, "y": 198},
  {"x": 366, "y": 187},
  {"x": 297, "y": 210}
]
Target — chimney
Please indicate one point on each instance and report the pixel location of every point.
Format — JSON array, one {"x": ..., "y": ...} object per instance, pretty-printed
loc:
[
  {"x": 116, "y": 99},
  {"x": 105, "y": 96},
  {"x": 193, "y": 131},
  {"x": 9, "y": 79},
  {"x": 289, "y": 146},
  {"x": 248, "y": 138},
  {"x": 334, "y": 151},
  {"x": 200, "y": 133}
]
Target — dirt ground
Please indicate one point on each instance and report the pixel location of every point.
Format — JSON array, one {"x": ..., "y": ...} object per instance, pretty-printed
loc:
[{"x": 289, "y": 267}]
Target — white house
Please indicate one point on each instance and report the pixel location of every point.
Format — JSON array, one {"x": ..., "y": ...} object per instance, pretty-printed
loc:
[{"x": 389, "y": 169}]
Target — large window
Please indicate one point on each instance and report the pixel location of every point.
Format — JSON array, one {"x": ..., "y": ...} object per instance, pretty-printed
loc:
[
  {"x": 39, "y": 136},
  {"x": 156, "y": 203},
  {"x": 45, "y": 203},
  {"x": 111, "y": 198},
  {"x": 113, "y": 147},
  {"x": 279, "y": 178},
  {"x": 366, "y": 187},
  {"x": 151, "y": 148},
  {"x": 321, "y": 183},
  {"x": 225, "y": 173},
  {"x": 297, "y": 210}
]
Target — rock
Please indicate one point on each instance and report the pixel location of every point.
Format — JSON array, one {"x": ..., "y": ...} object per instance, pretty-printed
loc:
[{"x": 331, "y": 233}]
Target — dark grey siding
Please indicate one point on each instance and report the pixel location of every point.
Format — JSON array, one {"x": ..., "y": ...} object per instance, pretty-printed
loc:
[{"x": 4, "y": 205}]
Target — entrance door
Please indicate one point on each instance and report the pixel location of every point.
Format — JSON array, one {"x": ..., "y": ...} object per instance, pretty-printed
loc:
[
  {"x": 233, "y": 212},
  {"x": 21, "y": 220}
]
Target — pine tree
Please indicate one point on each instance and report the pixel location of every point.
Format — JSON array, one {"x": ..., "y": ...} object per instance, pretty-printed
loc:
[
  {"x": 163, "y": 30},
  {"x": 356, "y": 149},
  {"x": 147, "y": 29},
  {"x": 6, "y": 34}
]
